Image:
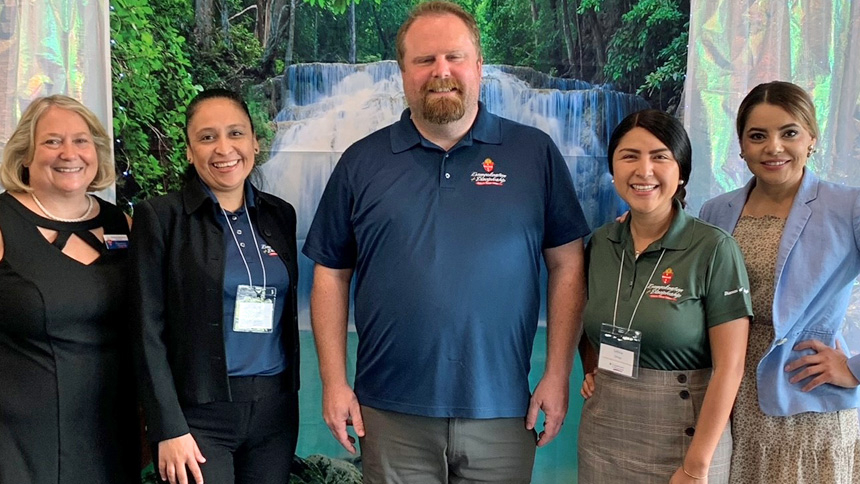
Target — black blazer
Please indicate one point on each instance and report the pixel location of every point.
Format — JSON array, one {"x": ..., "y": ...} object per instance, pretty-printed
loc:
[{"x": 177, "y": 262}]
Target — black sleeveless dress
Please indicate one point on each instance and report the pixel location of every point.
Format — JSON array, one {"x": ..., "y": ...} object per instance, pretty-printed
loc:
[{"x": 68, "y": 412}]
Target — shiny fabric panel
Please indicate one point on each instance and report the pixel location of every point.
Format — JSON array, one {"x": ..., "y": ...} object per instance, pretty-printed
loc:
[
  {"x": 54, "y": 47},
  {"x": 738, "y": 44}
]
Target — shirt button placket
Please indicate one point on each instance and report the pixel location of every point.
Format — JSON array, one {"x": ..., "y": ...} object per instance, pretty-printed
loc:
[{"x": 445, "y": 174}]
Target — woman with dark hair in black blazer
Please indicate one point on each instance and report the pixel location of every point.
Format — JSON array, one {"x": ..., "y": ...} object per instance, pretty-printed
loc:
[{"x": 214, "y": 271}]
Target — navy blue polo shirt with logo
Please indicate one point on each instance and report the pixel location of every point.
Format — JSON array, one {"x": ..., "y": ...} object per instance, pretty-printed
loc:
[
  {"x": 250, "y": 354},
  {"x": 447, "y": 249}
]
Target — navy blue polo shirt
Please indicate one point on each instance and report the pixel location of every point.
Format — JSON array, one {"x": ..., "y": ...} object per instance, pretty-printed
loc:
[
  {"x": 250, "y": 354},
  {"x": 446, "y": 248}
]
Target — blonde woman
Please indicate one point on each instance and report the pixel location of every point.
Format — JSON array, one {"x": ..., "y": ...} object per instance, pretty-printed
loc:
[{"x": 67, "y": 401}]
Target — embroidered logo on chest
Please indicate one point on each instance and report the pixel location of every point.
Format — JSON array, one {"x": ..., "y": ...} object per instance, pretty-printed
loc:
[
  {"x": 667, "y": 292},
  {"x": 268, "y": 250},
  {"x": 667, "y": 275},
  {"x": 490, "y": 176}
]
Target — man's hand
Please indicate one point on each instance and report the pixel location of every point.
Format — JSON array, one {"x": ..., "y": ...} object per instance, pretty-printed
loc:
[
  {"x": 177, "y": 453},
  {"x": 827, "y": 365},
  {"x": 551, "y": 396},
  {"x": 341, "y": 408},
  {"x": 587, "y": 389}
]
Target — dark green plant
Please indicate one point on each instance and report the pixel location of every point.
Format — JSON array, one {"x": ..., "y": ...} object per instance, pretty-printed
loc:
[
  {"x": 151, "y": 87},
  {"x": 648, "y": 52}
]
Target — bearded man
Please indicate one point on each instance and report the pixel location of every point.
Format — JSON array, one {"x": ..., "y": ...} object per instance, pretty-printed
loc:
[{"x": 443, "y": 218}]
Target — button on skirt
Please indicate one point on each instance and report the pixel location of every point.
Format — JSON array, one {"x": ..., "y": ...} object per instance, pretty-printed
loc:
[{"x": 638, "y": 430}]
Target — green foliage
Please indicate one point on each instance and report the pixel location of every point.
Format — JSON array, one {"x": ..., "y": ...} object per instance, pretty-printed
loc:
[
  {"x": 147, "y": 475},
  {"x": 151, "y": 87},
  {"x": 589, "y": 5},
  {"x": 671, "y": 73},
  {"x": 315, "y": 469},
  {"x": 157, "y": 72},
  {"x": 507, "y": 34},
  {"x": 228, "y": 63},
  {"x": 321, "y": 33},
  {"x": 264, "y": 126},
  {"x": 320, "y": 469},
  {"x": 336, "y": 6},
  {"x": 648, "y": 53},
  {"x": 154, "y": 79}
]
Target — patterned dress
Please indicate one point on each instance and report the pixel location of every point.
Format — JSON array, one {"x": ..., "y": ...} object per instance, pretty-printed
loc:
[{"x": 813, "y": 448}]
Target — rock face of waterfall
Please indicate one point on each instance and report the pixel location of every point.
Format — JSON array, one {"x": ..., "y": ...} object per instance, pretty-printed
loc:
[{"x": 330, "y": 106}]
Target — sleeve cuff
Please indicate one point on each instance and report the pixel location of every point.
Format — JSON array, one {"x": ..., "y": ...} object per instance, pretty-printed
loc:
[{"x": 854, "y": 366}]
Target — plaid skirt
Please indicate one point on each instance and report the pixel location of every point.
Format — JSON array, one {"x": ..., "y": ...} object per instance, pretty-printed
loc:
[{"x": 638, "y": 431}]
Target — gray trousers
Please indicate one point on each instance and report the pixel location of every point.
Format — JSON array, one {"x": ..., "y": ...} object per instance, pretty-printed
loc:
[{"x": 409, "y": 449}]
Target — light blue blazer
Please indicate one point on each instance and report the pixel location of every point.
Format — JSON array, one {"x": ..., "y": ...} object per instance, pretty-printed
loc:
[{"x": 818, "y": 261}]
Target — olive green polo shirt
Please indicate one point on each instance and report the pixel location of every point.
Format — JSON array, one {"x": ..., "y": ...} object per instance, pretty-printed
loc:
[{"x": 700, "y": 282}]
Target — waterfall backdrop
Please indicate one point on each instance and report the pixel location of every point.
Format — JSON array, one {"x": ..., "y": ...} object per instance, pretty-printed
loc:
[
  {"x": 319, "y": 74},
  {"x": 330, "y": 106}
]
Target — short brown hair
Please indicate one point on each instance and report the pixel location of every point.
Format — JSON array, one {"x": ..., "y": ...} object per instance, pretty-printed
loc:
[
  {"x": 19, "y": 150},
  {"x": 790, "y": 97},
  {"x": 437, "y": 7}
]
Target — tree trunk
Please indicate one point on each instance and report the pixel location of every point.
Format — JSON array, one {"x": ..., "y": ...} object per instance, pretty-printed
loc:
[
  {"x": 535, "y": 17},
  {"x": 387, "y": 52},
  {"x": 225, "y": 22},
  {"x": 555, "y": 53},
  {"x": 261, "y": 27},
  {"x": 316, "y": 35},
  {"x": 568, "y": 37},
  {"x": 578, "y": 19},
  {"x": 352, "y": 31},
  {"x": 281, "y": 21},
  {"x": 291, "y": 36},
  {"x": 277, "y": 22},
  {"x": 203, "y": 20},
  {"x": 597, "y": 40}
]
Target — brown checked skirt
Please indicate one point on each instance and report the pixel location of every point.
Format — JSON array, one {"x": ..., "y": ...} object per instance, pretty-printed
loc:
[{"x": 638, "y": 430}]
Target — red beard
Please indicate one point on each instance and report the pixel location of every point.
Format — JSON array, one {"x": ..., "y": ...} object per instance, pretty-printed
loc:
[{"x": 443, "y": 109}]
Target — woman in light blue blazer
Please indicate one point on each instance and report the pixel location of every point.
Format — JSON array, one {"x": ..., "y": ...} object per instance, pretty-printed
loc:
[{"x": 795, "y": 419}]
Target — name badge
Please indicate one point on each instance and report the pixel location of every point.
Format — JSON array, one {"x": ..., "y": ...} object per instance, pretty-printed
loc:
[
  {"x": 255, "y": 309},
  {"x": 116, "y": 241},
  {"x": 619, "y": 350}
]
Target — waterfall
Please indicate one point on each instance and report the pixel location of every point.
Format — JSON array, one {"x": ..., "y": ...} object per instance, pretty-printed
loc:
[{"x": 330, "y": 106}]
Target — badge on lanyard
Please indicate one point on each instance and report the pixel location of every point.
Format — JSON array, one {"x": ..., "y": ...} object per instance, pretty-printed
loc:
[
  {"x": 255, "y": 309},
  {"x": 255, "y": 305},
  {"x": 619, "y": 350},
  {"x": 619, "y": 346}
]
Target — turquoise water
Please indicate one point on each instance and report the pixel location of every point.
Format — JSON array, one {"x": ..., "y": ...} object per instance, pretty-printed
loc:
[{"x": 554, "y": 464}]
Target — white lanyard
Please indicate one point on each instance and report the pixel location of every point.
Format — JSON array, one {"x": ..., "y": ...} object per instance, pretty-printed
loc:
[
  {"x": 618, "y": 288},
  {"x": 256, "y": 245}
]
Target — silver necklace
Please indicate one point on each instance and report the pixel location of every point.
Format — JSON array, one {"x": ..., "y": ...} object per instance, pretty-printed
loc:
[{"x": 53, "y": 217}]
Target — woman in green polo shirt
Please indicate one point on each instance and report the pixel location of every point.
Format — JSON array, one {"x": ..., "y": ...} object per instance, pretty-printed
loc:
[{"x": 666, "y": 322}]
